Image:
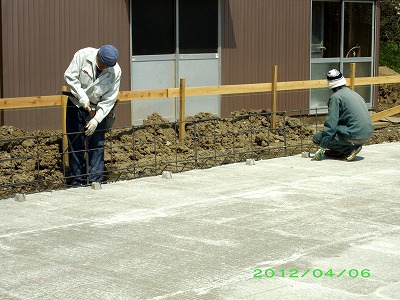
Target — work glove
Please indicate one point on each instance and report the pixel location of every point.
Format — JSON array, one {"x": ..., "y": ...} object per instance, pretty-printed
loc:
[
  {"x": 319, "y": 155},
  {"x": 84, "y": 102},
  {"x": 91, "y": 127}
]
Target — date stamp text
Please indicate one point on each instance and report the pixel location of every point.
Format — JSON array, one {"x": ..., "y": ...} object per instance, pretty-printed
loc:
[{"x": 316, "y": 273}]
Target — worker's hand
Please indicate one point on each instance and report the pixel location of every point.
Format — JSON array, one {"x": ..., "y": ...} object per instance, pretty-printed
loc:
[
  {"x": 85, "y": 103},
  {"x": 319, "y": 155},
  {"x": 91, "y": 126}
]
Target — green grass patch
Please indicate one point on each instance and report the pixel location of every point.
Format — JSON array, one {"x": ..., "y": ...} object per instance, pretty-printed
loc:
[{"x": 389, "y": 56}]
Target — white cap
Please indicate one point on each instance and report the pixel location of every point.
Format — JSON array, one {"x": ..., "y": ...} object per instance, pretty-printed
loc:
[{"x": 335, "y": 79}]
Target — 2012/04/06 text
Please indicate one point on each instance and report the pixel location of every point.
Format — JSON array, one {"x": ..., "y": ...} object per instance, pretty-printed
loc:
[{"x": 316, "y": 273}]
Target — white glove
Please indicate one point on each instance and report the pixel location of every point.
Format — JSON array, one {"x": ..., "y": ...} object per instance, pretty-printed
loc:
[
  {"x": 85, "y": 103},
  {"x": 91, "y": 127}
]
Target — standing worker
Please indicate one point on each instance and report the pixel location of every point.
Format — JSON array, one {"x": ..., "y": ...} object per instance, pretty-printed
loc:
[
  {"x": 93, "y": 78},
  {"x": 348, "y": 124}
]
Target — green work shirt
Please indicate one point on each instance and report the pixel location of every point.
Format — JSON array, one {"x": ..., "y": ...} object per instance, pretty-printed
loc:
[{"x": 347, "y": 115}]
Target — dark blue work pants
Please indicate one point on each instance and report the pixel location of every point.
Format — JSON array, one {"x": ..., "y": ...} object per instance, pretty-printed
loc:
[
  {"x": 338, "y": 146},
  {"x": 84, "y": 169}
]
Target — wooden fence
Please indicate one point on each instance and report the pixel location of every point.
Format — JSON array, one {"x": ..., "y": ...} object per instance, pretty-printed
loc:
[{"x": 182, "y": 92}]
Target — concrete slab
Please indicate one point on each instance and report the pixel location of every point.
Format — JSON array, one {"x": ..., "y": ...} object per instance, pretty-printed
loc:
[{"x": 286, "y": 228}]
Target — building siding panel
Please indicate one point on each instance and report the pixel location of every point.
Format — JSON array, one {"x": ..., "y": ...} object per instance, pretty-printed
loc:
[
  {"x": 39, "y": 39},
  {"x": 257, "y": 35}
]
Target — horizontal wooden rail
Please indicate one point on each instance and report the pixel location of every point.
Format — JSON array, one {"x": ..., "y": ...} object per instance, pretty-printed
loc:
[
  {"x": 302, "y": 85},
  {"x": 145, "y": 95},
  {"x": 249, "y": 88},
  {"x": 385, "y": 113},
  {"x": 377, "y": 80},
  {"x": 27, "y": 102},
  {"x": 55, "y": 100}
]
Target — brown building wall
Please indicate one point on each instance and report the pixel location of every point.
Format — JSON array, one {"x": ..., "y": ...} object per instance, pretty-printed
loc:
[
  {"x": 39, "y": 39},
  {"x": 258, "y": 34}
]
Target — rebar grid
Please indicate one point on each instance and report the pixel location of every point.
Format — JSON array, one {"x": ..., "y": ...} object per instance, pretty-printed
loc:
[{"x": 31, "y": 164}]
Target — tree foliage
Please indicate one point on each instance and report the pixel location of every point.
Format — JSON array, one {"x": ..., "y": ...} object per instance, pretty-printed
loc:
[{"x": 390, "y": 21}]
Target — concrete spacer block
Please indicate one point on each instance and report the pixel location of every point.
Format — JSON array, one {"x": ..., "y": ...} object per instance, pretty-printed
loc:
[
  {"x": 96, "y": 186},
  {"x": 167, "y": 174},
  {"x": 305, "y": 154},
  {"x": 250, "y": 162},
  {"x": 20, "y": 197}
]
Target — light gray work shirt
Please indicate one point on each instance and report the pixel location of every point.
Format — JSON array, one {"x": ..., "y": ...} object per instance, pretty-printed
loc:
[{"x": 83, "y": 84}]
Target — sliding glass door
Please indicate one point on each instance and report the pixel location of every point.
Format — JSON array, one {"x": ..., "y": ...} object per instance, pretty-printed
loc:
[
  {"x": 342, "y": 33},
  {"x": 173, "y": 39}
]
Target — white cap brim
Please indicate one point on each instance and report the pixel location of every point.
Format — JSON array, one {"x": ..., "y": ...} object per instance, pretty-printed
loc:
[{"x": 336, "y": 83}]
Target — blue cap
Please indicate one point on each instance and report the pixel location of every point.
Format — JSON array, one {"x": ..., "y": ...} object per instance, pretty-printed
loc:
[{"x": 108, "y": 55}]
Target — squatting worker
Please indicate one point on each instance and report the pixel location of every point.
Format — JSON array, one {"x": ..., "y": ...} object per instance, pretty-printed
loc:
[
  {"x": 348, "y": 124},
  {"x": 93, "y": 78}
]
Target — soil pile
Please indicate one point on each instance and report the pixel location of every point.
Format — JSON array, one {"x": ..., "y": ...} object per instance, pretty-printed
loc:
[
  {"x": 388, "y": 97},
  {"x": 210, "y": 141},
  {"x": 389, "y": 94}
]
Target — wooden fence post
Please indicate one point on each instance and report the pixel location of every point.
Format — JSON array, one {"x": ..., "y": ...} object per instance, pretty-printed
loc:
[
  {"x": 182, "y": 108},
  {"x": 352, "y": 75},
  {"x": 274, "y": 95},
  {"x": 64, "y": 100}
]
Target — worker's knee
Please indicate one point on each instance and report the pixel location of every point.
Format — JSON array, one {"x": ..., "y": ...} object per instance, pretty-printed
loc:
[{"x": 317, "y": 138}]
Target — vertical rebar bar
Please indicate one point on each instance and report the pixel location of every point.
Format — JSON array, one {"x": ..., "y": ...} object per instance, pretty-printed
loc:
[
  {"x": 37, "y": 157},
  {"x": 195, "y": 144},
  {"x": 63, "y": 154},
  {"x": 233, "y": 138},
  {"x": 284, "y": 133},
  {"x": 87, "y": 158},
  {"x": 111, "y": 152},
  {"x": 155, "y": 152},
  {"x": 176, "y": 147},
  {"x": 134, "y": 148}
]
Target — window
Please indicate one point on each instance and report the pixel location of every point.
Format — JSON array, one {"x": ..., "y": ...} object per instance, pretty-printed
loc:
[
  {"x": 153, "y": 27},
  {"x": 357, "y": 30},
  {"x": 198, "y": 26},
  {"x": 342, "y": 32},
  {"x": 155, "y": 32},
  {"x": 326, "y": 29}
]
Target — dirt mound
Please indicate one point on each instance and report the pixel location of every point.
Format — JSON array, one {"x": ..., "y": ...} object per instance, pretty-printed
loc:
[
  {"x": 209, "y": 141},
  {"x": 389, "y": 94},
  {"x": 385, "y": 71}
]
